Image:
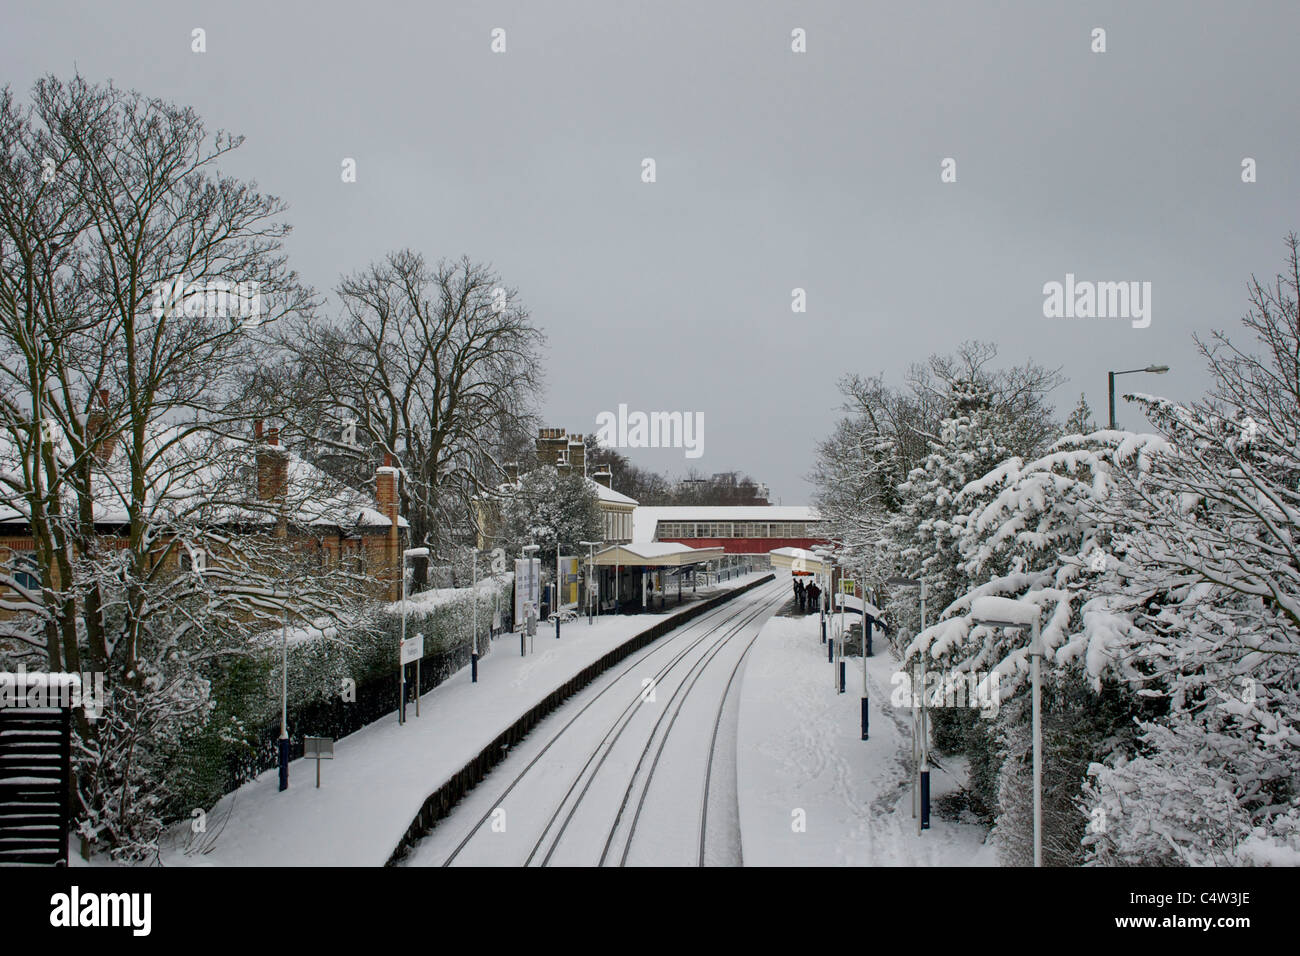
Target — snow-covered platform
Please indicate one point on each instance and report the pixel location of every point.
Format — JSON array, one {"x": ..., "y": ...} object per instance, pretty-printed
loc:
[
  {"x": 811, "y": 791},
  {"x": 381, "y": 775}
]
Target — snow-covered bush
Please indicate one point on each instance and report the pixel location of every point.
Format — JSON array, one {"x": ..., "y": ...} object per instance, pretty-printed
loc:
[{"x": 1173, "y": 805}]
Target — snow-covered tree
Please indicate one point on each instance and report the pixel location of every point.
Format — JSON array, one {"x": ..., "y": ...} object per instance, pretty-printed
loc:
[
  {"x": 1164, "y": 571},
  {"x": 1220, "y": 542},
  {"x": 1079, "y": 421},
  {"x": 122, "y": 355},
  {"x": 549, "y": 506},
  {"x": 434, "y": 363}
]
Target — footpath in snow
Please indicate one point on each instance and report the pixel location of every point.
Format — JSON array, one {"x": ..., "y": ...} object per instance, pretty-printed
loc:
[
  {"x": 381, "y": 774},
  {"x": 800, "y": 749}
]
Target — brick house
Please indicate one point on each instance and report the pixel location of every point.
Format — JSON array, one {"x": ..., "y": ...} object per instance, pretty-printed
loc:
[{"x": 239, "y": 484}]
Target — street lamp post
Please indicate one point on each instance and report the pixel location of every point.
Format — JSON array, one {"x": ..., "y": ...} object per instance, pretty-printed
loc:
[
  {"x": 1035, "y": 670},
  {"x": 821, "y": 580},
  {"x": 920, "y": 723},
  {"x": 284, "y": 701},
  {"x": 1153, "y": 369},
  {"x": 401, "y": 665},
  {"x": 473, "y": 591}
]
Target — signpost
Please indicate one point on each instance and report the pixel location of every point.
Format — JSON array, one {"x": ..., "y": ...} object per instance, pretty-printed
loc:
[
  {"x": 401, "y": 667},
  {"x": 412, "y": 650},
  {"x": 318, "y": 749}
]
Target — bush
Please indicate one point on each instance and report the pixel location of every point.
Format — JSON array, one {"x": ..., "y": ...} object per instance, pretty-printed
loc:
[{"x": 237, "y": 741}]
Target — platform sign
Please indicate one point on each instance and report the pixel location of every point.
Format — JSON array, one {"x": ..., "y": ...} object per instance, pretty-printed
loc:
[
  {"x": 528, "y": 588},
  {"x": 412, "y": 649},
  {"x": 318, "y": 749}
]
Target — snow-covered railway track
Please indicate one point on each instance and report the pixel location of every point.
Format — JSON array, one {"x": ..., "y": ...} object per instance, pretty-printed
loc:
[
  {"x": 562, "y": 799},
  {"x": 679, "y": 697}
]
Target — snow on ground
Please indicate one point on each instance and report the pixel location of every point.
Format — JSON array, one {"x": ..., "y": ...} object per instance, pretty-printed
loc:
[
  {"x": 800, "y": 748},
  {"x": 616, "y": 776},
  {"x": 381, "y": 774}
]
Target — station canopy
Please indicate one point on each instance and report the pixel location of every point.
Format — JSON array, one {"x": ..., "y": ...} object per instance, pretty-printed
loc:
[
  {"x": 798, "y": 560},
  {"x": 656, "y": 554}
]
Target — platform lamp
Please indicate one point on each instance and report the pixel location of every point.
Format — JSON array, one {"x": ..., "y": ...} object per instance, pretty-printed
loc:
[
  {"x": 997, "y": 619},
  {"x": 920, "y": 723},
  {"x": 591, "y": 547},
  {"x": 822, "y": 557},
  {"x": 284, "y": 700},
  {"x": 1153, "y": 369},
  {"x": 401, "y": 666},
  {"x": 473, "y": 596}
]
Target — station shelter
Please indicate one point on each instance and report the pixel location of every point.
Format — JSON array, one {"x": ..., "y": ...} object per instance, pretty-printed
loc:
[{"x": 636, "y": 577}]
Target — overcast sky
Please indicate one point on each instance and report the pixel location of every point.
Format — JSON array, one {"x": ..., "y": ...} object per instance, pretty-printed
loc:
[{"x": 775, "y": 171}]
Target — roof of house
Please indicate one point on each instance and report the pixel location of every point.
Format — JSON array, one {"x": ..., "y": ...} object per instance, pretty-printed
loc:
[
  {"x": 610, "y": 495},
  {"x": 205, "y": 476}
]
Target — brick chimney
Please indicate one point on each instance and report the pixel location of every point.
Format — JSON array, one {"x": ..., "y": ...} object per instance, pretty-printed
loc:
[
  {"x": 100, "y": 440},
  {"x": 602, "y": 475},
  {"x": 577, "y": 454},
  {"x": 272, "y": 465},
  {"x": 551, "y": 444},
  {"x": 386, "y": 497},
  {"x": 512, "y": 471}
]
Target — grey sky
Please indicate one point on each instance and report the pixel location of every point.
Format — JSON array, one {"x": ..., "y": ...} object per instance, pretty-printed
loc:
[{"x": 775, "y": 170}]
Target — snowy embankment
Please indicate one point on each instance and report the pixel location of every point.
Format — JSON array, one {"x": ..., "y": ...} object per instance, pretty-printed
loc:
[
  {"x": 811, "y": 791},
  {"x": 381, "y": 775}
]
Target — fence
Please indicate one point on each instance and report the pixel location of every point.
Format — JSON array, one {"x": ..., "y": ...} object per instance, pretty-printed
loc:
[{"x": 333, "y": 717}]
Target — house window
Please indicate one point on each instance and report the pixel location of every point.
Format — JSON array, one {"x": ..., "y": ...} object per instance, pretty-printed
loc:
[{"x": 26, "y": 571}]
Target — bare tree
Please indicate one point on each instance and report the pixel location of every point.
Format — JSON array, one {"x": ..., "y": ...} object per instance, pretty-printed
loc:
[
  {"x": 437, "y": 365},
  {"x": 135, "y": 281}
]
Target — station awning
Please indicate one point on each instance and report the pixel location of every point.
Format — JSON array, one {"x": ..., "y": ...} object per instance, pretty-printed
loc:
[
  {"x": 655, "y": 554},
  {"x": 798, "y": 560}
]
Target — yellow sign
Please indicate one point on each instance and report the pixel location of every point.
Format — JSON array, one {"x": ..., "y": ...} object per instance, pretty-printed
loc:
[{"x": 569, "y": 586}]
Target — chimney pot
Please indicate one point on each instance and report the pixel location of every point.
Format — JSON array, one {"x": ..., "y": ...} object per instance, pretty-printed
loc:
[
  {"x": 101, "y": 445},
  {"x": 272, "y": 467}
]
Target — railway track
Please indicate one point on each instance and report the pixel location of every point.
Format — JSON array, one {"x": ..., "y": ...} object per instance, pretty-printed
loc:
[{"x": 707, "y": 635}]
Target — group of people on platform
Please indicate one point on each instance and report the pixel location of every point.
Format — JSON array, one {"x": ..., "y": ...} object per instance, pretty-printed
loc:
[{"x": 806, "y": 595}]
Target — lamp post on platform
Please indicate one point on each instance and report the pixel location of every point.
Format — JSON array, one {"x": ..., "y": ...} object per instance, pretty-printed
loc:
[
  {"x": 1035, "y": 670},
  {"x": 284, "y": 701},
  {"x": 920, "y": 721}
]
